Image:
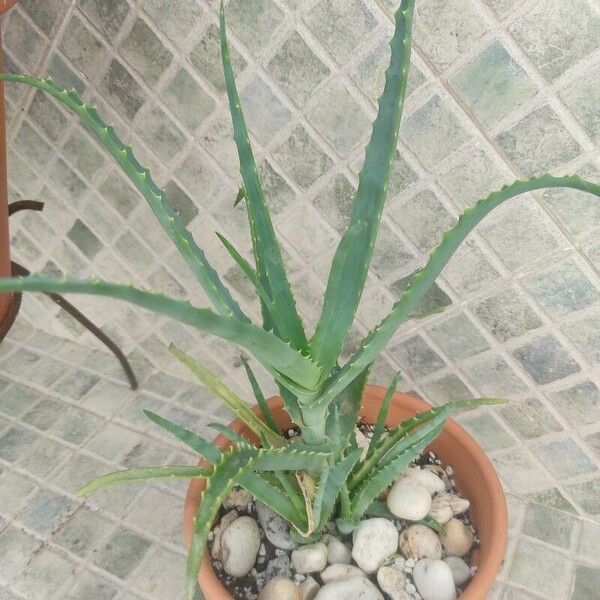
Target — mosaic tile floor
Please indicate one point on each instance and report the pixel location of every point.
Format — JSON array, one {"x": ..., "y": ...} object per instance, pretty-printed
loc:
[{"x": 67, "y": 415}]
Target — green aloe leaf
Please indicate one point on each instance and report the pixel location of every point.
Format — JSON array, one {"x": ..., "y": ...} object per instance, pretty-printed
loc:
[
  {"x": 269, "y": 263},
  {"x": 229, "y": 398},
  {"x": 232, "y": 436},
  {"x": 422, "y": 280},
  {"x": 289, "y": 459},
  {"x": 229, "y": 470},
  {"x": 382, "y": 415},
  {"x": 196, "y": 442},
  {"x": 260, "y": 397},
  {"x": 154, "y": 196},
  {"x": 270, "y": 350},
  {"x": 353, "y": 256},
  {"x": 143, "y": 474}
]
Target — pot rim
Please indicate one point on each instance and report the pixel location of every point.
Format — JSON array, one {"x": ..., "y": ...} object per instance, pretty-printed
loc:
[{"x": 489, "y": 562}]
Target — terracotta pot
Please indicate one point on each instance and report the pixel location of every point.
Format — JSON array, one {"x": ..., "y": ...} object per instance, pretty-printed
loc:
[
  {"x": 6, "y": 4},
  {"x": 474, "y": 474}
]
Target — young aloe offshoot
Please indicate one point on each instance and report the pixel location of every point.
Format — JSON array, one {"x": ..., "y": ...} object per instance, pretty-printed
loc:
[{"x": 323, "y": 477}]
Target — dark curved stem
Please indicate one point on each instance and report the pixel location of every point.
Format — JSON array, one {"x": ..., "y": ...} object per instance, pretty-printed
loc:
[{"x": 19, "y": 205}]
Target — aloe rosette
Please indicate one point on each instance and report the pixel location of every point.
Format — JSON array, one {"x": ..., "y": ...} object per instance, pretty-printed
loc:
[{"x": 321, "y": 396}]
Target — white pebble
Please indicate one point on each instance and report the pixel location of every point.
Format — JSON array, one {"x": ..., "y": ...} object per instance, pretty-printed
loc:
[
  {"x": 239, "y": 546},
  {"x": 310, "y": 558},
  {"x": 461, "y": 572},
  {"x": 374, "y": 540},
  {"x": 434, "y": 581},
  {"x": 408, "y": 499}
]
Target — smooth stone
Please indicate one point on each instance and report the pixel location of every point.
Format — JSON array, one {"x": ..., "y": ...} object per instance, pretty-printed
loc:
[
  {"x": 374, "y": 540},
  {"x": 239, "y": 546},
  {"x": 280, "y": 589},
  {"x": 393, "y": 582},
  {"x": 226, "y": 521},
  {"x": 461, "y": 572},
  {"x": 419, "y": 541},
  {"x": 309, "y": 588},
  {"x": 335, "y": 572},
  {"x": 337, "y": 552},
  {"x": 430, "y": 481},
  {"x": 310, "y": 558},
  {"x": 275, "y": 527},
  {"x": 353, "y": 588},
  {"x": 437, "y": 470},
  {"x": 444, "y": 506},
  {"x": 434, "y": 580},
  {"x": 458, "y": 539},
  {"x": 408, "y": 499},
  {"x": 238, "y": 498}
]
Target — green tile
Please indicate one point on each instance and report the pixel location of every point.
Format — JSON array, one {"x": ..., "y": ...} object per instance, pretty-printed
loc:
[
  {"x": 554, "y": 499},
  {"x": 254, "y": 21},
  {"x": 494, "y": 84},
  {"x": 196, "y": 173},
  {"x": 64, "y": 75},
  {"x": 433, "y": 132},
  {"x": 471, "y": 177},
  {"x": 75, "y": 426},
  {"x": 135, "y": 252},
  {"x": 469, "y": 270},
  {"x": 529, "y": 419},
  {"x": 119, "y": 194},
  {"x": 582, "y": 97},
  {"x": 44, "y": 414},
  {"x": 506, "y": 315},
  {"x": 300, "y": 156},
  {"x": 520, "y": 233},
  {"x": 16, "y": 400},
  {"x": 539, "y": 142},
  {"x": 335, "y": 201},
  {"x": 15, "y": 442},
  {"x": 493, "y": 376},
  {"x": 16, "y": 549},
  {"x": 488, "y": 432},
  {"x": 106, "y": 15},
  {"x": 556, "y": 35},
  {"x": 446, "y": 29},
  {"x": 176, "y": 18},
  {"x": 187, "y": 99},
  {"x": 518, "y": 472},
  {"x": 83, "y": 532},
  {"x": 391, "y": 254},
  {"x": 279, "y": 195},
  {"x": 434, "y": 300},
  {"x": 580, "y": 404},
  {"x": 539, "y": 569},
  {"x": 25, "y": 43},
  {"x": 504, "y": 7},
  {"x": 67, "y": 181},
  {"x": 585, "y": 334},
  {"x": 265, "y": 113},
  {"x": 47, "y": 116},
  {"x": 161, "y": 134},
  {"x": 144, "y": 51},
  {"x": 122, "y": 553},
  {"x": 416, "y": 357},
  {"x": 562, "y": 289},
  {"x": 586, "y": 495},
  {"x": 593, "y": 441},
  {"x": 120, "y": 88},
  {"x": 44, "y": 457},
  {"x": 46, "y": 15},
  {"x": 15, "y": 489},
  {"x": 112, "y": 442},
  {"x": 340, "y": 25},
  {"x": 147, "y": 452},
  {"x": 587, "y": 583},
  {"x": 83, "y": 153},
  {"x": 77, "y": 472},
  {"x": 340, "y": 119},
  {"x": 401, "y": 175},
  {"x": 423, "y": 218},
  {"x": 549, "y": 525},
  {"x": 563, "y": 458},
  {"x": 85, "y": 239},
  {"x": 180, "y": 201},
  {"x": 206, "y": 58},
  {"x": 81, "y": 46},
  {"x": 445, "y": 389},
  {"x": 46, "y": 511},
  {"x": 166, "y": 584},
  {"x": 297, "y": 69},
  {"x": 89, "y": 585},
  {"x": 588, "y": 542},
  {"x": 458, "y": 337},
  {"x": 31, "y": 145},
  {"x": 46, "y": 572},
  {"x": 546, "y": 360}
]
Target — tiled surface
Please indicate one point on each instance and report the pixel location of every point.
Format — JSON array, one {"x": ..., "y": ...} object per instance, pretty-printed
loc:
[
  {"x": 500, "y": 89},
  {"x": 125, "y": 542}
]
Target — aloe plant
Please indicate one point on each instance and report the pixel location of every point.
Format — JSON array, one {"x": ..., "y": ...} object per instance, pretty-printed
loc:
[{"x": 324, "y": 476}]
